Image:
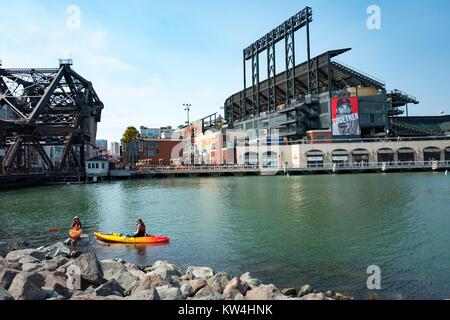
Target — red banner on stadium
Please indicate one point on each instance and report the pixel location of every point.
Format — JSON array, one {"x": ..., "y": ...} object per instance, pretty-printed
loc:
[{"x": 345, "y": 117}]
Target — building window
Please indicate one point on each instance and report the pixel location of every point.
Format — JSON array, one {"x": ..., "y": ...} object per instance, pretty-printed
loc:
[
  {"x": 96, "y": 166},
  {"x": 89, "y": 166},
  {"x": 103, "y": 165}
]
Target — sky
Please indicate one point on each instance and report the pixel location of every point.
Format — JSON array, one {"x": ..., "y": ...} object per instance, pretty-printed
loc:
[{"x": 146, "y": 58}]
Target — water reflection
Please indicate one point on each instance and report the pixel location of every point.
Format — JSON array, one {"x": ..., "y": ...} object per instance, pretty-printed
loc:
[{"x": 321, "y": 230}]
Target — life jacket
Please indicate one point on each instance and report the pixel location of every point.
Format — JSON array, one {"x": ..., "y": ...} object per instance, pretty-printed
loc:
[{"x": 140, "y": 229}]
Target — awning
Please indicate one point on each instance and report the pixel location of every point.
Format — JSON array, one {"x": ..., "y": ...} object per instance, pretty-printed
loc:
[
  {"x": 432, "y": 150},
  {"x": 340, "y": 153},
  {"x": 340, "y": 158},
  {"x": 386, "y": 151},
  {"x": 406, "y": 150},
  {"x": 315, "y": 153},
  {"x": 315, "y": 159},
  {"x": 360, "y": 152}
]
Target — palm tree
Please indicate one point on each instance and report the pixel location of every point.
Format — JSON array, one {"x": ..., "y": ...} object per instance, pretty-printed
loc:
[{"x": 130, "y": 145}]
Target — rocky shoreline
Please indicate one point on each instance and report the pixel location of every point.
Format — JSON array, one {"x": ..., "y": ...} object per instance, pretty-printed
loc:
[{"x": 65, "y": 272}]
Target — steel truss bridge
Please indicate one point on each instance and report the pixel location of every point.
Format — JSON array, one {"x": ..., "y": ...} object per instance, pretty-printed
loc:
[{"x": 50, "y": 107}]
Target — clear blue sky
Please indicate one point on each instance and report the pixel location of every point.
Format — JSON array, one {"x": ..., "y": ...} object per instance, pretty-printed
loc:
[{"x": 147, "y": 58}]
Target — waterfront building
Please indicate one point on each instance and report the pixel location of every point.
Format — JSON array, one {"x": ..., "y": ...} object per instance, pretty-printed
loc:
[
  {"x": 156, "y": 152},
  {"x": 97, "y": 167}
]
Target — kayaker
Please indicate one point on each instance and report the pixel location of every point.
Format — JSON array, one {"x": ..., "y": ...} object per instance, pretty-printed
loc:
[
  {"x": 76, "y": 223},
  {"x": 140, "y": 230}
]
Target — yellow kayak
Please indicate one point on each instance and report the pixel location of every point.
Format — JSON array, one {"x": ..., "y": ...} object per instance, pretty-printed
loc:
[{"x": 119, "y": 238}]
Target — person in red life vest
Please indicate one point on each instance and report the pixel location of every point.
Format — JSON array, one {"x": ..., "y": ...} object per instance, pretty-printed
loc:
[
  {"x": 76, "y": 223},
  {"x": 140, "y": 230}
]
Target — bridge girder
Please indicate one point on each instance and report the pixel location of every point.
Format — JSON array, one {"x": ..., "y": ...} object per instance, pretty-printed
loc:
[{"x": 51, "y": 107}]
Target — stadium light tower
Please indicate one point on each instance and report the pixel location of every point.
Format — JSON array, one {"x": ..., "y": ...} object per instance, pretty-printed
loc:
[{"x": 187, "y": 108}]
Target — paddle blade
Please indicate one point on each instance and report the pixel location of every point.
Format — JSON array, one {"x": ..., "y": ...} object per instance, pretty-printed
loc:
[{"x": 54, "y": 230}]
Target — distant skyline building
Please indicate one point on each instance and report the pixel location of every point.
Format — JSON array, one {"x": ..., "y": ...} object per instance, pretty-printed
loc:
[
  {"x": 102, "y": 144},
  {"x": 156, "y": 133},
  {"x": 114, "y": 149}
]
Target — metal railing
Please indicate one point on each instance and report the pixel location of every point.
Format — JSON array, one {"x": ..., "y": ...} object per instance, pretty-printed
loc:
[
  {"x": 362, "y": 140},
  {"x": 324, "y": 166},
  {"x": 380, "y": 165}
]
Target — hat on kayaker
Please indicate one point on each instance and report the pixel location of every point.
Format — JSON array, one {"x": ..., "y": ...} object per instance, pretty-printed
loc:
[{"x": 76, "y": 217}]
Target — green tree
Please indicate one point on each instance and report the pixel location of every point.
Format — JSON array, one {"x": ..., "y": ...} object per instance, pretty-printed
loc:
[
  {"x": 130, "y": 146},
  {"x": 130, "y": 134}
]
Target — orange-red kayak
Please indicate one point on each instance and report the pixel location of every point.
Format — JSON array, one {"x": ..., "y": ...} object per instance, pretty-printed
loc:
[{"x": 119, "y": 238}]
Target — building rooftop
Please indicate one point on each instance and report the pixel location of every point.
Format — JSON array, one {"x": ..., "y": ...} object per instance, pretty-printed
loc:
[{"x": 98, "y": 159}]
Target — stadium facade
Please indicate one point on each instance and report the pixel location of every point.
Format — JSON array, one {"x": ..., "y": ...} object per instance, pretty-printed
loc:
[{"x": 321, "y": 97}]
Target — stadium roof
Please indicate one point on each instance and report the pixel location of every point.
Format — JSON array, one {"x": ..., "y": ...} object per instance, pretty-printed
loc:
[{"x": 342, "y": 77}]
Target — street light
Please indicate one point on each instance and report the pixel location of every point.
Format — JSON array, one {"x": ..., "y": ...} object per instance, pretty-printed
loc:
[{"x": 187, "y": 109}]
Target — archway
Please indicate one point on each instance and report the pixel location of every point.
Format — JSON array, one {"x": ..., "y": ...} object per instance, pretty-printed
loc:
[
  {"x": 447, "y": 154},
  {"x": 406, "y": 155},
  {"x": 251, "y": 158},
  {"x": 341, "y": 156},
  {"x": 315, "y": 159},
  {"x": 361, "y": 156},
  {"x": 432, "y": 154},
  {"x": 385, "y": 155},
  {"x": 270, "y": 159}
]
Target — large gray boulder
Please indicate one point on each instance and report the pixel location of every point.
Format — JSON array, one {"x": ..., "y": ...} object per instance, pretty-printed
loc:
[
  {"x": 305, "y": 290},
  {"x": 290, "y": 292},
  {"x": 152, "y": 280},
  {"x": 16, "y": 255},
  {"x": 148, "y": 295},
  {"x": 169, "y": 293},
  {"x": 90, "y": 268},
  {"x": 3, "y": 249},
  {"x": 187, "y": 290},
  {"x": 218, "y": 282},
  {"x": 54, "y": 264},
  {"x": 200, "y": 272},
  {"x": 135, "y": 270},
  {"x": 207, "y": 293},
  {"x": 57, "y": 249},
  {"x": 6, "y": 264},
  {"x": 57, "y": 282},
  {"x": 250, "y": 280},
  {"x": 6, "y": 277},
  {"x": 95, "y": 298},
  {"x": 265, "y": 292},
  {"x": 174, "y": 270},
  {"x": 118, "y": 271},
  {"x": 235, "y": 288},
  {"x": 110, "y": 288},
  {"x": 30, "y": 267},
  {"x": 315, "y": 297},
  {"x": 28, "y": 286},
  {"x": 28, "y": 259},
  {"x": 198, "y": 284},
  {"x": 5, "y": 295}
]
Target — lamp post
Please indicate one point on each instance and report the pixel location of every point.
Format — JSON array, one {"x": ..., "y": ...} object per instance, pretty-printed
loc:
[{"x": 187, "y": 108}]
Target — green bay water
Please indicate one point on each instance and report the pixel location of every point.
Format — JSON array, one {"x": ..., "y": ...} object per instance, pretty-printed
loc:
[{"x": 321, "y": 230}]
